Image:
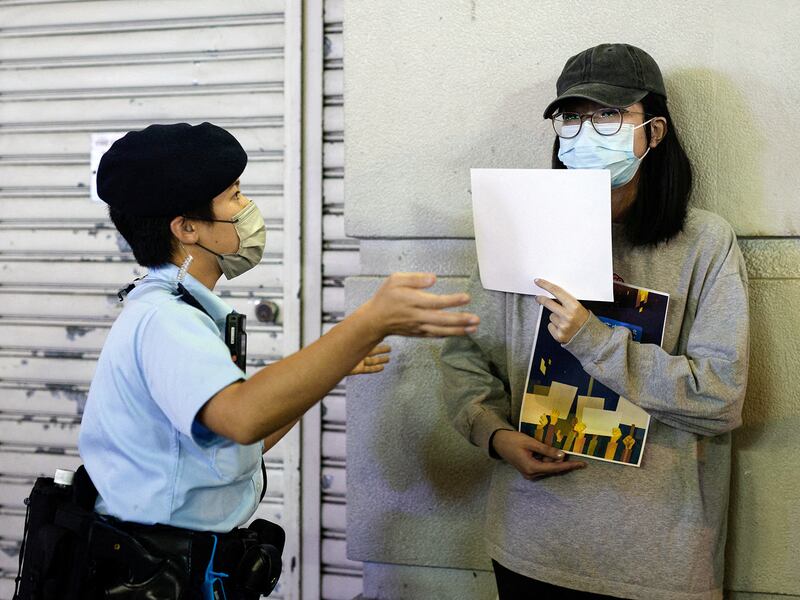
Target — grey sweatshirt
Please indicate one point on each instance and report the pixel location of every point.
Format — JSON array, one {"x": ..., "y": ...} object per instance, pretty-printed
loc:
[{"x": 656, "y": 532}]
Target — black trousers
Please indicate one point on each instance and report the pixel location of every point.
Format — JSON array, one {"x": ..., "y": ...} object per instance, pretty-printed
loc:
[{"x": 513, "y": 586}]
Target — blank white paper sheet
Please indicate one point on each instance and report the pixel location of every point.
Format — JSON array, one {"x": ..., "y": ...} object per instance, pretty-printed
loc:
[{"x": 553, "y": 224}]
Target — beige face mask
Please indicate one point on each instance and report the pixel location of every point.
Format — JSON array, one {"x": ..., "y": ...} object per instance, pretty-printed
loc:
[{"x": 252, "y": 232}]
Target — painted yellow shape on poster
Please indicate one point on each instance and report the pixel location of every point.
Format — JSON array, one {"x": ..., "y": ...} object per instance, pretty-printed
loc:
[
  {"x": 600, "y": 422},
  {"x": 588, "y": 402},
  {"x": 630, "y": 414},
  {"x": 561, "y": 397},
  {"x": 533, "y": 407}
]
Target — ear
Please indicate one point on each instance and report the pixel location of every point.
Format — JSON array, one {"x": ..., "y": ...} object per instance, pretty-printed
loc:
[
  {"x": 184, "y": 230},
  {"x": 658, "y": 131}
]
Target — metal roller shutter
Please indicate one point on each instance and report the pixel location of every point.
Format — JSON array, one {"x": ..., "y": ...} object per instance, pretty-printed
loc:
[
  {"x": 71, "y": 68},
  {"x": 341, "y": 578}
]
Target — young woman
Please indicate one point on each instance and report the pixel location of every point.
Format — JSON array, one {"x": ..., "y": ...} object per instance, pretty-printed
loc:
[{"x": 604, "y": 530}]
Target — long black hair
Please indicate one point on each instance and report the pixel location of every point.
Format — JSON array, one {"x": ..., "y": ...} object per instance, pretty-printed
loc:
[{"x": 665, "y": 184}]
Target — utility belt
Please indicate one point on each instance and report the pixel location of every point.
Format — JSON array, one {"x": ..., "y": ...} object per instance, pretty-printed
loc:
[{"x": 69, "y": 552}]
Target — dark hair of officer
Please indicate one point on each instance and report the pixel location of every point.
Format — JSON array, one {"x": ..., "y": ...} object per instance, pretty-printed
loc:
[
  {"x": 665, "y": 184},
  {"x": 150, "y": 238},
  {"x": 151, "y": 176}
]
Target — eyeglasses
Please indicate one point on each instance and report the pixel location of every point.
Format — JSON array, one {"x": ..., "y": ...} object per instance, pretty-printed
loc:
[{"x": 605, "y": 121}]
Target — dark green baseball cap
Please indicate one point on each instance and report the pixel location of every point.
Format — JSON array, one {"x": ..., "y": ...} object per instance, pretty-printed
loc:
[{"x": 612, "y": 74}]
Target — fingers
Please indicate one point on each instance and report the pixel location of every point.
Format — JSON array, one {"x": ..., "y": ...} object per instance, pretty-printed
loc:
[
  {"x": 363, "y": 370},
  {"x": 440, "y": 331},
  {"x": 561, "y": 294},
  {"x": 405, "y": 309},
  {"x": 428, "y": 300},
  {"x": 541, "y": 468},
  {"x": 554, "y": 331},
  {"x": 558, "y": 322},
  {"x": 438, "y": 323},
  {"x": 376, "y": 360},
  {"x": 536, "y": 446},
  {"x": 554, "y": 307},
  {"x": 447, "y": 319},
  {"x": 414, "y": 280},
  {"x": 380, "y": 349}
]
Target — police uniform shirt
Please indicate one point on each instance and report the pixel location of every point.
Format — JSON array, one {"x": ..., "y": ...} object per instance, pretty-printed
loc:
[{"x": 150, "y": 458}]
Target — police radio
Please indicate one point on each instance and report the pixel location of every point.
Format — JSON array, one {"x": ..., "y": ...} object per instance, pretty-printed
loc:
[
  {"x": 235, "y": 334},
  {"x": 236, "y": 338}
]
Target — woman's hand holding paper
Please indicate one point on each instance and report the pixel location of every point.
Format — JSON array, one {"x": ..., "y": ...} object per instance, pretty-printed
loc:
[{"x": 568, "y": 315}]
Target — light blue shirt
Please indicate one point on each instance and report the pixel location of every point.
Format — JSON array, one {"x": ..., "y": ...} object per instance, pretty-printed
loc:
[{"x": 150, "y": 458}]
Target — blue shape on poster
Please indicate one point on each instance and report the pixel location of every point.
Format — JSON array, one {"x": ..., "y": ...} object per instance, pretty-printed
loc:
[{"x": 636, "y": 330}]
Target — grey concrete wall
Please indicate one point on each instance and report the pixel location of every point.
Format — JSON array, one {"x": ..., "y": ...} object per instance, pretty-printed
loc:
[{"x": 433, "y": 89}]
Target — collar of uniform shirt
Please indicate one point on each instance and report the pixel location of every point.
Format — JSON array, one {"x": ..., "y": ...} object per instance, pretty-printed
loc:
[{"x": 210, "y": 301}]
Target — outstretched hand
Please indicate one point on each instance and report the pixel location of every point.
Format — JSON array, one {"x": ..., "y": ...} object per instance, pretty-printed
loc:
[{"x": 401, "y": 307}]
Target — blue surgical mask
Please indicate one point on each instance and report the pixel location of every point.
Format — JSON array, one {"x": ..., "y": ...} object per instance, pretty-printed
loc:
[{"x": 590, "y": 150}]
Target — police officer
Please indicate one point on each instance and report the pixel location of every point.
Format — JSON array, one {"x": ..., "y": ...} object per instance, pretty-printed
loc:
[{"x": 173, "y": 431}]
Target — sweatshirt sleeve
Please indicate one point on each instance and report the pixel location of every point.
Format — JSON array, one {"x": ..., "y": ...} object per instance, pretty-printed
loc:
[
  {"x": 700, "y": 391},
  {"x": 476, "y": 390}
]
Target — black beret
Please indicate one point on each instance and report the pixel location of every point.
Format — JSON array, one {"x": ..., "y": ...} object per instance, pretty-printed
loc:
[{"x": 167, "y": 170}]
